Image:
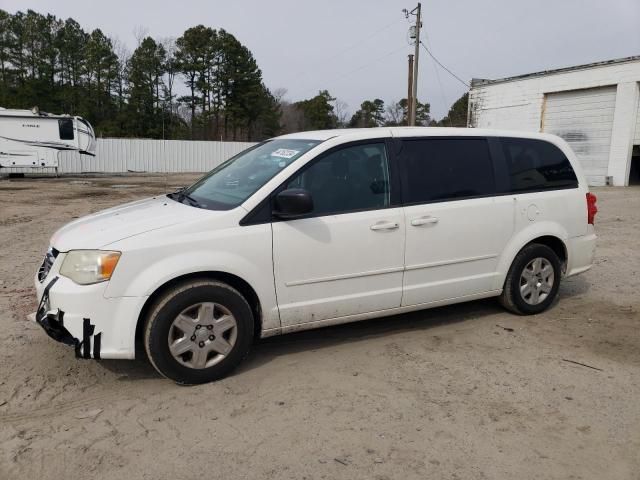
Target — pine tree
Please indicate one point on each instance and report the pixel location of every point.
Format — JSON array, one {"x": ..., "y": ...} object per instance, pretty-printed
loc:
[
  {"x": 371, "y": 114},
  {"x": 146, "y": 67},
  {"x": 318, "y": 112}
]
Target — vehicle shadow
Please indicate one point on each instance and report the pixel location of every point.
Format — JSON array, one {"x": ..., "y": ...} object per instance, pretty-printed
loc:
[
  {"x": 268, "y": 349},
  {"x": 132, "y": 370},
  {"x": 573, "y": 286}
]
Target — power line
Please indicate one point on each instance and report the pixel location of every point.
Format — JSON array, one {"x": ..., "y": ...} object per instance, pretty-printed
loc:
[
  {"x": 442, "y": 94},
  {"x": 445, "y": 68},
  {"x": 445, "y": 102},
  {"x": 368, "y": 64},
  {"x": 363, "y": 40},
  {"x": 350, "y": 47}
]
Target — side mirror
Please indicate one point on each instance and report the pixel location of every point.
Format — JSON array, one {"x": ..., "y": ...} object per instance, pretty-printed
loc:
[{"x": 292, "y": 203}]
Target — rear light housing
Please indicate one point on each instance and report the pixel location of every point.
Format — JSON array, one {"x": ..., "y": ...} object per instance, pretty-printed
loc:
[{"x": 592, "y": 208}]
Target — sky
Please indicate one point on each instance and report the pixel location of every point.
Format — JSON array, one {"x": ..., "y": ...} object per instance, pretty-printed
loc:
[{"x": 357, "y": 49}]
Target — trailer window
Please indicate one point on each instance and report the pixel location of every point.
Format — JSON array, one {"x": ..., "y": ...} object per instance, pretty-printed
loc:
[{"x": 65, "y": 125}]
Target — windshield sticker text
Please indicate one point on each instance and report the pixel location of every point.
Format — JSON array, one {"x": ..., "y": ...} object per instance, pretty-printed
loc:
[{"x": 285, "y": 153}]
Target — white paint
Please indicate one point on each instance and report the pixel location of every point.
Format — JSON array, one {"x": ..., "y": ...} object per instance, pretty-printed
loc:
[
  {"x": 584, "y": 118},
  {"x": 324, "y": 270},
  {"x": 380, "y": 313},
  {"x": 29, "y": 139},
  {"x": 345, "y": 276},
  {"x": 636, "y": 137},
  {"x": 623, "y": 132},
  {"x": 518, "y": 104},
  {"x": 302, "y": 250},
  {"x": 437, "y": 264}
]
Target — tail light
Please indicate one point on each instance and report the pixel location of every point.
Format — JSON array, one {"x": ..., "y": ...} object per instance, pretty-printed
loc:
[{"x": 592, "y": 209}]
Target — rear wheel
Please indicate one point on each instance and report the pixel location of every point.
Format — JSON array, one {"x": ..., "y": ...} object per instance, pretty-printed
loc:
[
  {"x": 198, "y": 331},
  {"x": 533, "y": 280}
]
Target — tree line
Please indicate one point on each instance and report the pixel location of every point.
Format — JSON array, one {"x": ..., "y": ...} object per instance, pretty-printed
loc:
[
  {"x": 325, "y": 112},
  {"x": 58, "y": 66}
]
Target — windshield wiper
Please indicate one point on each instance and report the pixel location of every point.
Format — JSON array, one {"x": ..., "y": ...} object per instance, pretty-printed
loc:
[
  {"x": 181, "y": 196},
  {"x": 190, "y": 199}
]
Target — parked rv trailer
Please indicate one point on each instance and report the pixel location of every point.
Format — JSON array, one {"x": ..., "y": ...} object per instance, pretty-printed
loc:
[{"x": 30, "y": 138}]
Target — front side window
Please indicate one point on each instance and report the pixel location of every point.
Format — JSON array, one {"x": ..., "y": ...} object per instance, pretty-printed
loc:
[
  {"x": 536, "y": 165},
  {"x": 446, "y": 169},
  {"x": 349, "y": 179},
  {"x": 233, "y": 182}
]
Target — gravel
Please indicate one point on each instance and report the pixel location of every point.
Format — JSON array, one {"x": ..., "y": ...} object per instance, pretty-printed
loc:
[{"x": 466, "y": 391}]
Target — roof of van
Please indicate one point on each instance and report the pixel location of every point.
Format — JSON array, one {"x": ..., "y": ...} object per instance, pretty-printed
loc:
[{"x": 364, "y": 133}]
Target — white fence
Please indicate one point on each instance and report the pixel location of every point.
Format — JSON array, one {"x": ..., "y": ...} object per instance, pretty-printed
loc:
[{"x": 123, "y": 155}]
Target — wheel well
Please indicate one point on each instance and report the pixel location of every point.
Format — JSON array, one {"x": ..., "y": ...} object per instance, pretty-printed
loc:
[
  {"x": 555, "y": 244},
  {"x": 232, "y": 280}
]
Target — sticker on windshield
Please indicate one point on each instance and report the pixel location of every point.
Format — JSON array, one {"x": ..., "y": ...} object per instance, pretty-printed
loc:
[{"x": 285, "y": 153}]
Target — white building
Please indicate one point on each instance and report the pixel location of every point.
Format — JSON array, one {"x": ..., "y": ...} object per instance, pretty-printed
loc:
[{"x": 594, "y": 107}]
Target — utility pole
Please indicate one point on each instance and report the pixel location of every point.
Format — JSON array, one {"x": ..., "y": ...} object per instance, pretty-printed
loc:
[
  {"x": 416, "y": 35},
  {"x": 414, "y": 97},
  {"x": 410, "y": 90}
]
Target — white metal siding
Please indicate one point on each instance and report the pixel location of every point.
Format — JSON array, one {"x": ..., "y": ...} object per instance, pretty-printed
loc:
[
  {"x": 584, "y": 118},
  {"x": 636, "y": 137},
  {"x": 122, "y": 155},
  {"x": 518, "y": 104}
]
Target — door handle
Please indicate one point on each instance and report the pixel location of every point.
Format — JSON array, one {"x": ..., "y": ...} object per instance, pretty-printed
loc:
[
  {"x": 416, "y": 222},
  {"x": 384, "y": 226}
]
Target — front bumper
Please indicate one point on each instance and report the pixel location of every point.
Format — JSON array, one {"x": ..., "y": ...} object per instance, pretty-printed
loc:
[
  {"x": 52, "y": 322},
  {"x": 81, "y": 316}
]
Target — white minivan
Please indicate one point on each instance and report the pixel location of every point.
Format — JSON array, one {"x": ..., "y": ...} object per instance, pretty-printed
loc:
[{"x": 315, "y": 229}]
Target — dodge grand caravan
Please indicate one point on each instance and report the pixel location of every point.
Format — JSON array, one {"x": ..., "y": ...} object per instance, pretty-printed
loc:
[{"x": 315, "y": 229}]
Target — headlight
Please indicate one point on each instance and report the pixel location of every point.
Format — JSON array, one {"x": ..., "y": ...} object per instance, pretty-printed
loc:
[{"x": 89, "y": 266}]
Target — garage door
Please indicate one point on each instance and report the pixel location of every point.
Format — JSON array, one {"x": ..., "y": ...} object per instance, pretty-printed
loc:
[{"x": 584, "y": 118}]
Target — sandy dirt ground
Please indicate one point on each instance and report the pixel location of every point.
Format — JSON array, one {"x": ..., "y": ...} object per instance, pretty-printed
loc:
[{"x": 461, "y": 392}]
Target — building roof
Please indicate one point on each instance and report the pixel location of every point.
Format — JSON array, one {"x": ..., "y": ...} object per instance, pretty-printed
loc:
[{"x": 478, "y": 82}]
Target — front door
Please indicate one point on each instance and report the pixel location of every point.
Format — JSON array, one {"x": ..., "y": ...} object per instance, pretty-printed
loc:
[
  {"x": 456, "y": 226},
  {"x": 347, "y": 256}
]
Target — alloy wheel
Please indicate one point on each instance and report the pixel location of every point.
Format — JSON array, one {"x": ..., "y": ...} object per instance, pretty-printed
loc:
[
  {"x": 202, "y": 335},
  {"x": 536, "y": 281}
]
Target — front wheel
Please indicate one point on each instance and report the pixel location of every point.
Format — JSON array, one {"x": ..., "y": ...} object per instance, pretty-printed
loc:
[
  {"x": 198, "y": 331},
  {"x": 533, "y": 280}
]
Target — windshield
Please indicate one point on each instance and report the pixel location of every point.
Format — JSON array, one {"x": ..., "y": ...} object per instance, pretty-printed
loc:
[{"x": 230, "y": 184}]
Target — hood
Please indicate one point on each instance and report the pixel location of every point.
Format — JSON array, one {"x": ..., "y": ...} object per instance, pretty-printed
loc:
[{"x": 108, "y": 226}]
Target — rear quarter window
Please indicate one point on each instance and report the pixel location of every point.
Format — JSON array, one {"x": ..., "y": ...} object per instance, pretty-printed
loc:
[{"x": 536, "y": 165}]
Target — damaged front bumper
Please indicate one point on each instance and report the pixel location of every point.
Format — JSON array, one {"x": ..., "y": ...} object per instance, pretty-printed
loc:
[
  {"x": 52, "y": 322},
  {"x": 82, "y": 316}
]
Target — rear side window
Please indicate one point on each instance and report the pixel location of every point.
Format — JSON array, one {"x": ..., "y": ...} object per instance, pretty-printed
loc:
[
  {"x": 441, "y": 169},
  {"x": 65, "y": 125},
  {"x": 536, "y": 165}
]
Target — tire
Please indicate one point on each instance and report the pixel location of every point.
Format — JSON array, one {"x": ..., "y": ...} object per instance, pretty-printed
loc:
[
  {"x": 521, "y": 298},
  {"x": 209, "y": 326}
]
